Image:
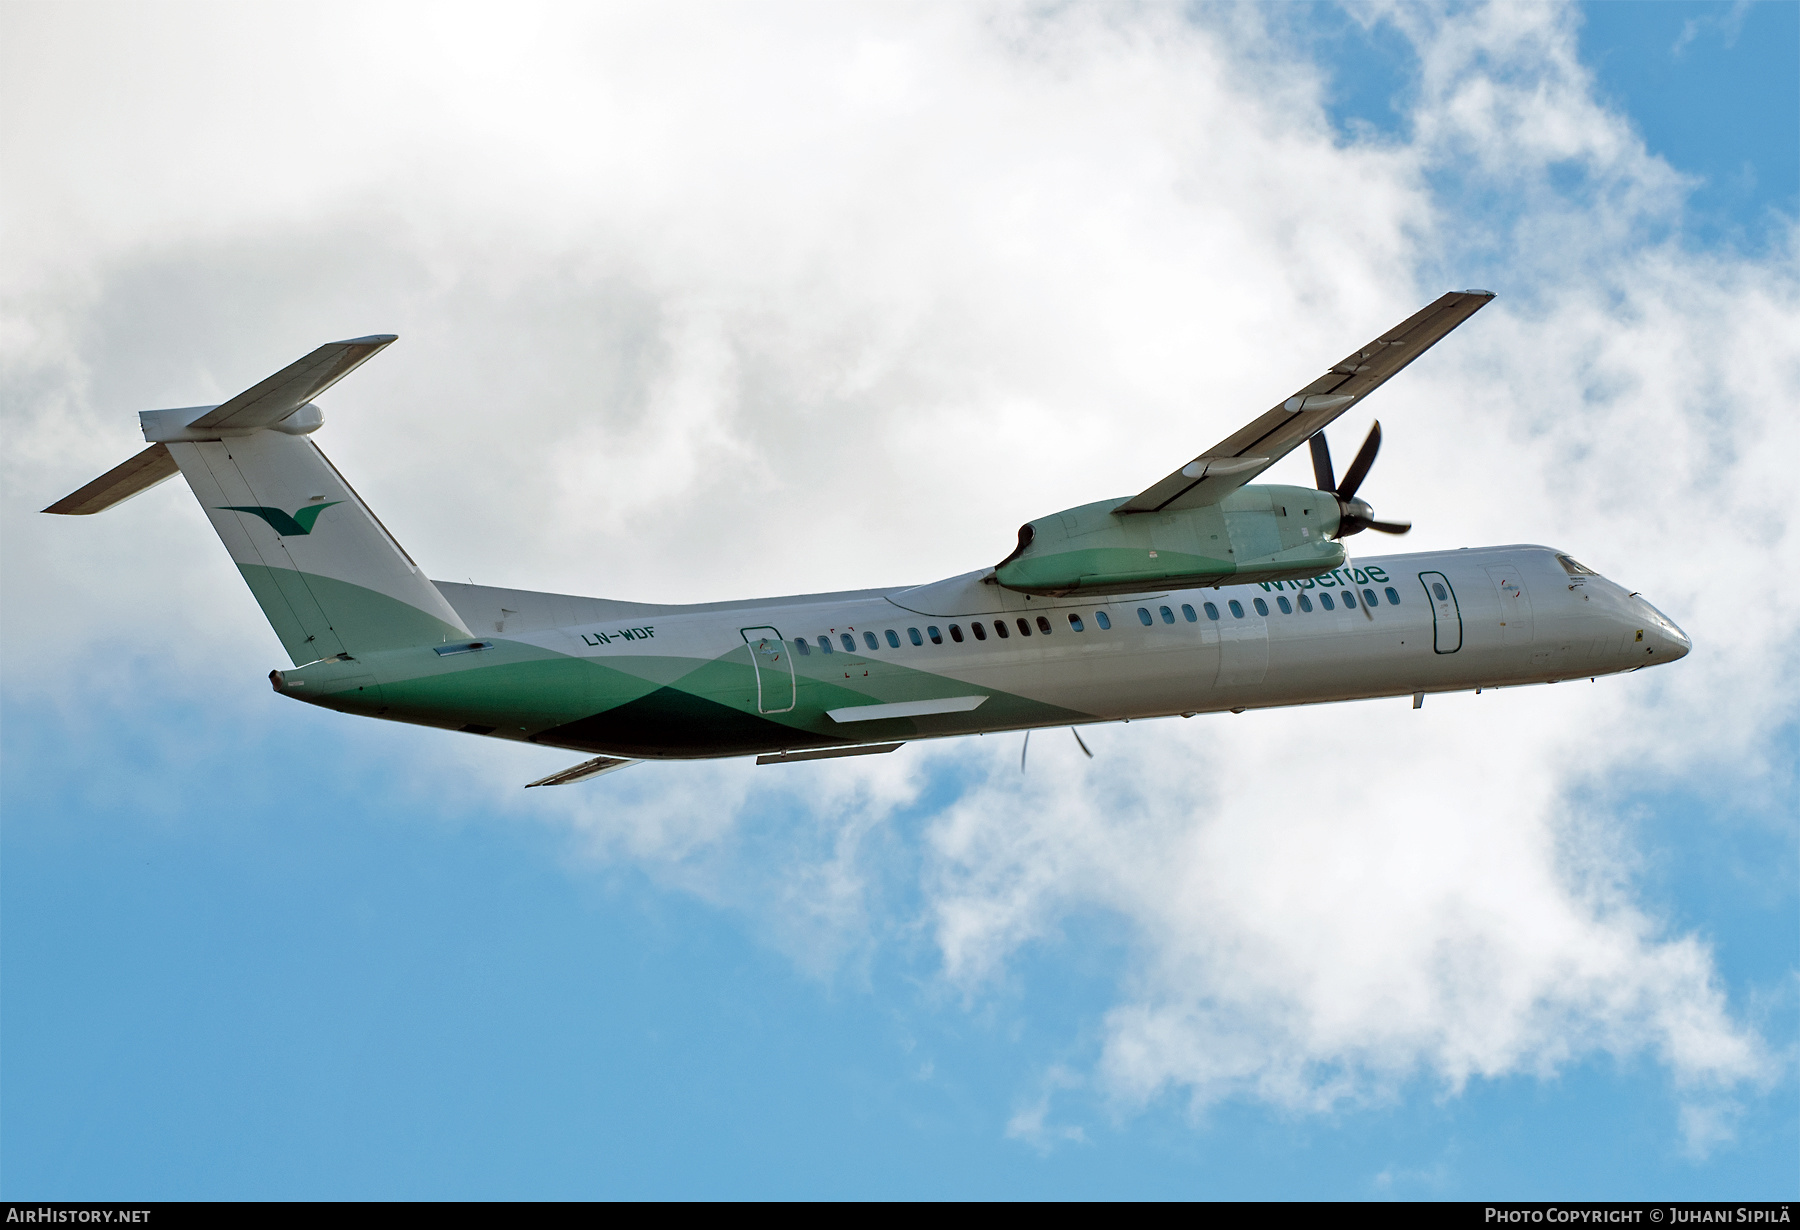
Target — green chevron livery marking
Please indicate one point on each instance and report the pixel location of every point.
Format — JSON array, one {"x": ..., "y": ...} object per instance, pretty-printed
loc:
[
  {"x": 317, "y": 616},
  {"x": 705, "y": 707},
  {"x": 651, "y": 705},
  {"x": 296, "y": 525}
]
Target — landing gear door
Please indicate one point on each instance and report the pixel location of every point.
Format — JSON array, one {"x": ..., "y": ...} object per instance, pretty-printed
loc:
[
  {"x": 774, "y": 666},
  {"x": 1446, "y": 615}
]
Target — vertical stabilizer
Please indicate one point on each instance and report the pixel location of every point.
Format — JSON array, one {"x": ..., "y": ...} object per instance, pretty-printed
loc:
[{"x": 327, "y": 573}]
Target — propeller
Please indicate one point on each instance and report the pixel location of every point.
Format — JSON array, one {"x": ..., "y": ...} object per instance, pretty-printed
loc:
[
  {"x": 1027, "y": 746},
  {"x": 1354, "y": 515}
]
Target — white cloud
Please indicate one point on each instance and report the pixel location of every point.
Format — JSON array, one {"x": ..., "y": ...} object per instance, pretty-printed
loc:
[{"x": 697, "y": 302}]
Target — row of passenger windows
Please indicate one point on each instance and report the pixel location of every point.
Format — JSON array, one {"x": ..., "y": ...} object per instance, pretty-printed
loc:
[
  {"x": 1262, "y": 607},
  {"x": 1044, "y": 628},
  {"x": 977, "y": 629}
]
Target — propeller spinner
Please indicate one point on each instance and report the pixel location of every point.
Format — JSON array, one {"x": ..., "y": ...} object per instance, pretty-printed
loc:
[{"x": 1354, "y": 515}]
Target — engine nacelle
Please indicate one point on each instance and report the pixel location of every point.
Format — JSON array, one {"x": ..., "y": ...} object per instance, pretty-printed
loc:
[{"x": 1257, "y": 533}]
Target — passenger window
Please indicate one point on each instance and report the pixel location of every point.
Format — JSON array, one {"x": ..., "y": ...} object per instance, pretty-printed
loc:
[
  {"x": 1212, "y": 612},
  {"x": 979, "y": 631},
  {"x": 849, "y": 643},
  {"x": 1100, "y": 617},
  {"x": 1144, "y": 616},
  {"x": 825, "y": 643},
  {"x": 1287, "y": 608},
  {"x": 802, "y": 646},
  {"x": 912, "y": 634},
  {"x": 1349, "y": 601},
  {"x": 1075, "y": 622},
  {"x": 1369, "y": 597},
  {"x": 956, "y": 634},
  {"x": 937, "y": 638},
  {"x": 1305, "y": 603},
  {"x": 1325, "y": 601},
  {"x": 1166, "y": 613},
  {"x": 1437, "y": 587},
  {"x": 1024, "y": 626},
  {"x": 1043, "y": 623},
  {"x": 870, "y": 641},
  {"x": 1000, "y": 629},
  {"x": 1237, "y": 608},
  {"x": 1262, "y": 608},
  {"x": 1187, "y": 613},
  {"x": 893, "y": 639},
  {"x": 1393, "y": 598}
]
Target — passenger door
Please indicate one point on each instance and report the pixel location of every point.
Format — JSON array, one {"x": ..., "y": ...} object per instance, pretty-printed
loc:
[
  {"x": 774, "y": 666},
  {"x": 1446, "y": 614},
  {"x": 1515, "y": 606}
]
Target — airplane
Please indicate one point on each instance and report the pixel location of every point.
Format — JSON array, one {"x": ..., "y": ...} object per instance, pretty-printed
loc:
[{"x": 1201, "y": 594}]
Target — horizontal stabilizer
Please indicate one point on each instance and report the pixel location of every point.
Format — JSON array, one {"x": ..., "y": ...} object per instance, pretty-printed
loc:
[
  {"x": 141, "y": 473},
  {"x": 829, "y": 753},
  {"x": 584, "y": 770},
  {"x": 293, "y": 386}
]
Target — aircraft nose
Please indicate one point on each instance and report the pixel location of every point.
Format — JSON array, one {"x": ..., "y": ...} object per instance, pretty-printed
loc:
[
  {"x": 1679, "y": 643},
  {"x": 1665, "y": 641}
]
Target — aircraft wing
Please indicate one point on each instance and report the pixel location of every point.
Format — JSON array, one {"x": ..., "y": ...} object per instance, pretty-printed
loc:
[
  {"x": 1244, "y": 454},
  {"x": 293, "y": 386}
]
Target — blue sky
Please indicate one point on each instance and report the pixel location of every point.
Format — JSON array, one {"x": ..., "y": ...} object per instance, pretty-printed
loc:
[
  {"x": 252, "y": 949},
  {"x": 219, "y": 989}
]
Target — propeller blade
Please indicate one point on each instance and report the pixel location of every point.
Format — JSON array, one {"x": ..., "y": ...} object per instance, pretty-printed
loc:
[
  {"x": 1391, "y": 527},
  {"x": 1359, "y": 469},
  {"x": 1321, "y": 452},
  {"x": 1350, "y": 567},
  {"x": 1023, "y": 750},
  {"x": 1078, "y": 739}
]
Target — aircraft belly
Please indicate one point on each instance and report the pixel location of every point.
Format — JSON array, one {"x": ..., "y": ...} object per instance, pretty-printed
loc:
[{"x": 673, "y": 723}]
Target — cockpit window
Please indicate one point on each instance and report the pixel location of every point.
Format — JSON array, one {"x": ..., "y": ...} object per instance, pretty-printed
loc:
[{"x": 1574, "y": 567}]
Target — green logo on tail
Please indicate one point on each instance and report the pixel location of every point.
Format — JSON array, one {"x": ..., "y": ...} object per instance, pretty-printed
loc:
[{"x": 301, "y": 522}]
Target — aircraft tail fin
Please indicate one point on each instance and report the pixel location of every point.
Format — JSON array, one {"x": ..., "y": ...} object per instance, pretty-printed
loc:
[{"x": 325, "y": 571}]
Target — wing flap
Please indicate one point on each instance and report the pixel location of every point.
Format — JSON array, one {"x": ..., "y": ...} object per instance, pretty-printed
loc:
[
  {"x": 1247, "y": 452},
  {"x": 123, "y": 481},
  {"x": 293, "y": 386}
]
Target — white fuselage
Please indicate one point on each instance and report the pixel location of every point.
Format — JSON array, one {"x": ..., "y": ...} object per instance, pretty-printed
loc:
[{"x": 1503, "y": 616}]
